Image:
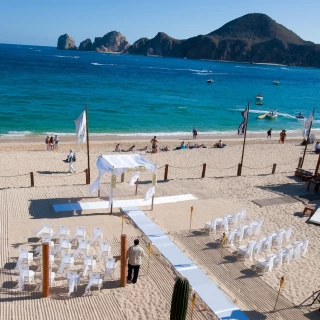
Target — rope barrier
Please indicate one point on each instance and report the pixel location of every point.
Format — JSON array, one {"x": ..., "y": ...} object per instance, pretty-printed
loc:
[{"x": 185, "y": 167}]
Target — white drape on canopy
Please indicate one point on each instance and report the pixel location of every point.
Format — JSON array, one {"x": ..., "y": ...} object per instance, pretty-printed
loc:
[{"x": 118, "y": 164}]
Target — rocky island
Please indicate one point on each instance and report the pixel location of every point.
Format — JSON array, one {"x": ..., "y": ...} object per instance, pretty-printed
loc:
[{"x": 252, "y": 38}]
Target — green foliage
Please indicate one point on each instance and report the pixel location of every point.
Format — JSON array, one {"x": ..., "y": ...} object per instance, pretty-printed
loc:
[{"x": 180, "y": 299}]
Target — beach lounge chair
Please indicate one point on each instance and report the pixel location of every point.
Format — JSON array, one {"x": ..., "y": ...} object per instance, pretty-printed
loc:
[
  {"x": 80, "y": 234},
  {"x": 46, "y": 230},
  {"x": 265, "y": 264},
  {"x": 63, "y": 232},
  {"x": 25, "y": 273},
  {"x": 111, "y": 266},
  {"x": 97, "y": 235},
  {"x": 246, "y": 250},
  {"x": 89, "y": 264},
  {"x": 67, "y": 261},
  {"x": 73, "y": 281},
  {"x": 104, "y": 249},
  {"x": 94, "y": 280},
  {"x": 24, "y": 257},
  {"x": 83, "y": 247},
  {"x": 63, "y": 245}
]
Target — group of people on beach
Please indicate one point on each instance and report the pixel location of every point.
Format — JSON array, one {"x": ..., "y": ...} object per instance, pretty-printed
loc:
[
  {"x": 52, "y": 143},
  {"x": 283, "y": 135}
]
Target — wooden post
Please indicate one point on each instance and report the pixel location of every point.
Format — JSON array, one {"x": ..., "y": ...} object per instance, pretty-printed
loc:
[
  {"x": 45, "y": 270},
  {"x": 88, "y": 151},
  {"x": 111, "y": 207},
  {"x": 137, "y": 186},
  {"x": 239, "y": 169},
  {"x": 204, "y": 170},
  {"x": 281, "y": 285},
  {"x": 152, "y": 200},
  {"x": 300, "y": 161},
  {"x": 274, "y": 168},
  {"x": 99, "y": 193},
  {"x": 122, "y": 222},
  {"x": 32, "y": 179},
  {"x": 123, "y": 278},
  {"x": 166, "y": 172},
  {"x": 122, "y": 177},
  {"x": 244, "y": 141}
]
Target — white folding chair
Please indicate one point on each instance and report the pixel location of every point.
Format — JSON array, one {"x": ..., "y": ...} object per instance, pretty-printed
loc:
[
  {"x": 80, "y": 234},
  {"x": 259, "y": 246},
  {"x": 73, "y": 281},
  {"x": 97, "y": 235},
  {"x": 246, "y": 250},
  {"x": 63, "y": 232},
  {"x": 243, "y": 214},
  {"x": 265, "y": 264},
  {"x": 63, "y": 245},
  {"x": 305, "y": 246},
  {"x": 45, "y": 239},
  {"x": 67, "y": 261},
  {"x": 277, "y": 238},
  {"x": 83, "y": 247},
  {"x": 288, "y": 234},
  {"x": 24, "y": 257},
  {"x": 278, "y": 259},
  {"x": 287, "y": 255},
  {"x": 94, "y": 280},
  {"x": 231, "y": 237},
  {"x": 52, "y": 278},
  {"x": 88, "y": 264},
  {"x": 268, "y": 243},
  {"x": 258, "y": 227},
  {"x": 25, "y": 273},
  {"x": 46, "y": 230},
  {"x": 104, "y": 249},
  {"x": 111, "y": 266},
  {"x": 225, "y": 224}
]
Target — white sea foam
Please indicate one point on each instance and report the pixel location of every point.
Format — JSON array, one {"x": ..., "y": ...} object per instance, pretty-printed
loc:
[
  {"x": 202, "y": 74},
  {"x": 243, "y": 67},
  {"x": 12, "y": 134},
  {"x": 102, "y": 64},
  {"x": 70, "y": 57},
  {"x": 178, "y": 69}
]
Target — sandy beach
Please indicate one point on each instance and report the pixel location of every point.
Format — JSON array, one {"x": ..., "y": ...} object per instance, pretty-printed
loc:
[{"x": 25, "y": 209}]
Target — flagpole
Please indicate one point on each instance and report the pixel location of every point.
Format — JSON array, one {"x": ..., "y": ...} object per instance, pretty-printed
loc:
[
  {"x": 305, "y": 148},
  {"x": 244, "y": 142},
  {"x": 88, "y": 152}
]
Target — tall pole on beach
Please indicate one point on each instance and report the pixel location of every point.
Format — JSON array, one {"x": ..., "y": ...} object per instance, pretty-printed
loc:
[
  {"x": 305, "y": 148},
  {"x": 244, "y": 141},
  {"x": 88, "y": 149}
]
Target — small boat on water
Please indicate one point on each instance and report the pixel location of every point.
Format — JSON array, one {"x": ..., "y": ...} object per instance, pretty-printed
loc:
[
  {"x": 259, "y": 99},
  {"x": 209, "y": 81},
  {"x": 300, "y": 116},
  {"x": 276, "y": 82},
  {"x": 262, "y": 116},
  {"x": 272, "y": 115}
]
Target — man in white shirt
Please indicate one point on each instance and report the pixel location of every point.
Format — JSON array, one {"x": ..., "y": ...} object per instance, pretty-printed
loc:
[
  {"x": 134, "y": 256},
  {"x": 70, "y": 159}
]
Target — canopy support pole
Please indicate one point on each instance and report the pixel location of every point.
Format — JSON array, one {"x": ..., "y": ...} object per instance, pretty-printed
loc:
[{"x": 137, "y": 186}]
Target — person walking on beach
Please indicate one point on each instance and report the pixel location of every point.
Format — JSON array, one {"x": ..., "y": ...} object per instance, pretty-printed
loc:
[
  {"x": 56, "y": 142},
  {"x": 195, "y": 133},
  {"x": 71, "y": 159},
  {"x": 282, "y": 136},
  {"x": 47, "y": 142},
  {"x": 269, "y": 133},
  {"x": 134, "y": 256},
  {"x": 154, "y": 142}
]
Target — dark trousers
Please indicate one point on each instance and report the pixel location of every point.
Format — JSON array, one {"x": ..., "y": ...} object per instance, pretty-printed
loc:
[{"x": 135, "y": 270}]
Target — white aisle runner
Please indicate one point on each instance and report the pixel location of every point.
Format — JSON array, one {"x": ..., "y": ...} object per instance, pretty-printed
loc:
[
  {"x": 200, "y": 282},
  {"x": 120, "y": 203}
]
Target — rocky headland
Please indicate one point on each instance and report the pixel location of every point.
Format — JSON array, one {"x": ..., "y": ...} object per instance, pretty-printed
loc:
[{"x": 253, "y": 38}]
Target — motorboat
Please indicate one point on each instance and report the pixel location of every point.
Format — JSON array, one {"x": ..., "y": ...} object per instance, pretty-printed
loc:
[
  {"x": 259, "y": 99},
  {"x": 209, "y": 81},
  {"x": 272, "y": 114},
  {"x": 276, "y": 82},
  {"x": 300, "y": 116}
]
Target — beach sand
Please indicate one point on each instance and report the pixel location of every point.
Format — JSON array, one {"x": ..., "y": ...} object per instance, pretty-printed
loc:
[{"x": 25, "y": 209}]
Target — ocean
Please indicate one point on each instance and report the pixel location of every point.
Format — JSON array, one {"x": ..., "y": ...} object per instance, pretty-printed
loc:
[{"x": 43, "y": 90}]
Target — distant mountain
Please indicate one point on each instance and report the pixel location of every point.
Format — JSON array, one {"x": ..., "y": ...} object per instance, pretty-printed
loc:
[{"x": 253, "y": 38}]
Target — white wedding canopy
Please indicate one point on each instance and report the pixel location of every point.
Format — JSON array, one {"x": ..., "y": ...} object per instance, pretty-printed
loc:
[{"x": 118, "y": 164}]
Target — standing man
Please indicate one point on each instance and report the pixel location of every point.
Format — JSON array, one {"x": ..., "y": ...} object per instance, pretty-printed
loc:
[
  {"x": 194, "y": 132},
  {"x": 269, "y": 133},
  {"x": 154, "y": 142},
  {"x": 71, "y": 159},
  {"x": 134, "y": 254}
]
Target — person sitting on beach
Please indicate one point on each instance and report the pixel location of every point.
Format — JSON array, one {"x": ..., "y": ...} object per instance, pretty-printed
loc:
[
  {"x": 117, "y": 149},
  {"x": 131, "y": 148},
  {"x": 219, "y": 145},
  {"x": 182, "y": 145}
]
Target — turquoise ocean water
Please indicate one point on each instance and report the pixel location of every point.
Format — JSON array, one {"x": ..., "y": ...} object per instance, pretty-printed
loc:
[{"x": 43, "y": 90}]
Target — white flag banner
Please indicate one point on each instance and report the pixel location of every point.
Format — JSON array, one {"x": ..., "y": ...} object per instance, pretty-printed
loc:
[
  {"x": 81, "y": 128},
  {"x": 307, "y": 125},
  {"x": 243, "y": 124}
]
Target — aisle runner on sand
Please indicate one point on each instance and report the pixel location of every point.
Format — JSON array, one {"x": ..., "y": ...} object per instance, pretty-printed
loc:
[
  {"x": 120, "y": 203},
  {"x": 200, "y": 282}
]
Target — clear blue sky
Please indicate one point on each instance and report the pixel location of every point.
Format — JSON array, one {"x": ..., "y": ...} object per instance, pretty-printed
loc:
[{"x": 41, "y": 22}]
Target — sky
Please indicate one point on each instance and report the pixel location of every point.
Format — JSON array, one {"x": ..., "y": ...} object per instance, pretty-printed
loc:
[{"x": 41, "y": 22}]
